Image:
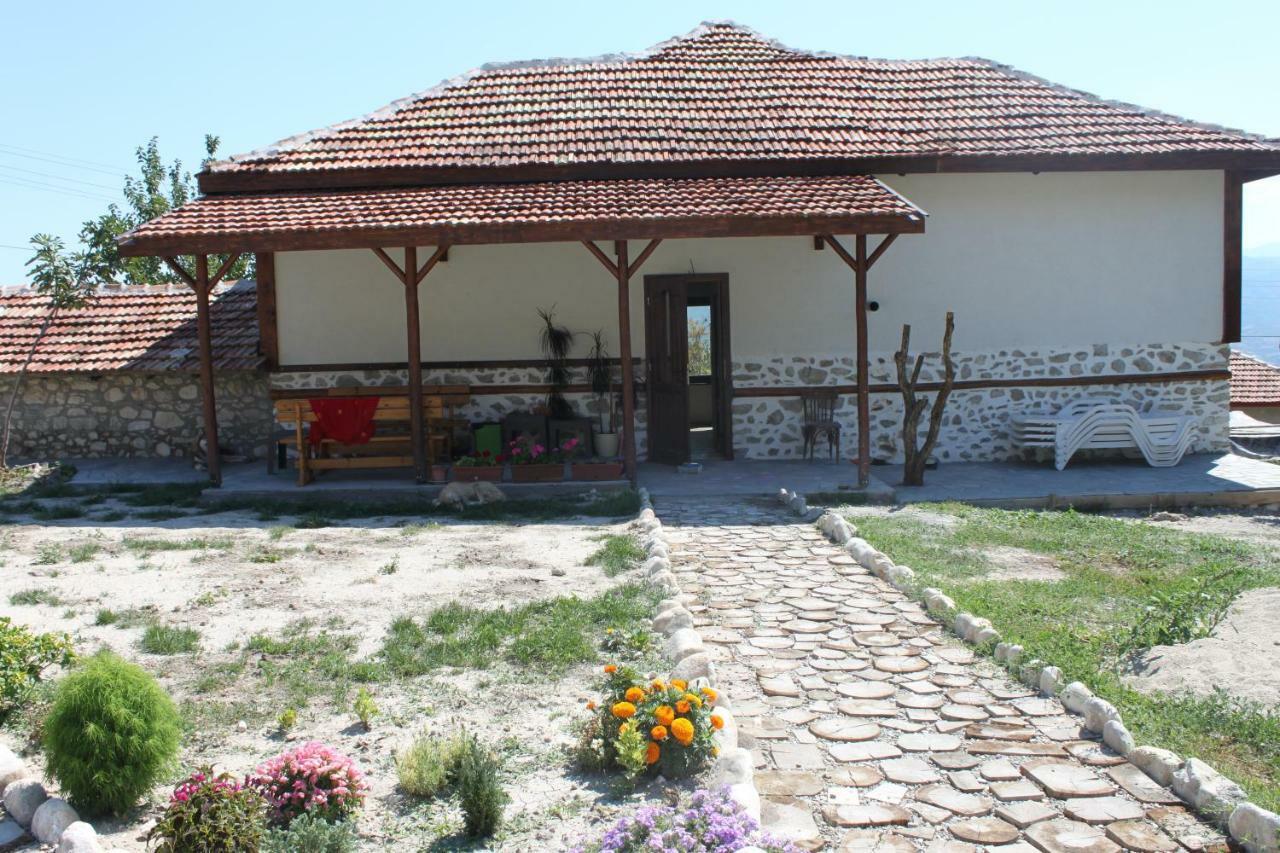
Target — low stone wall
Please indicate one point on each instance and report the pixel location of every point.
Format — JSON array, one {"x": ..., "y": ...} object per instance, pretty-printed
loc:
[
  {"x": 977, "y": 423},
  {"x": 133, "y": 414}
]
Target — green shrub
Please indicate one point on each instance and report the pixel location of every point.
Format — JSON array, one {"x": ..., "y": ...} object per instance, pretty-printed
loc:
[
  {"x": 32, "y": 597},
  {"x": 24, "y": 656},
  {"x": 168, "y": 640},
  {"x": 479, "y": 791},
  {"x": 366, "y": 709},
  {"x": 287, "y": 720},
  {"x": 109, "y": 735},
  {"x": 210, "y": 814},
  {"x": 311, "y": 834},
  {"x": 429, "y": 764}
]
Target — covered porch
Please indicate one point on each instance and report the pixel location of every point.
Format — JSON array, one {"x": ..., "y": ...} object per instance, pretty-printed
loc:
[{"x": 619, "y": 223}]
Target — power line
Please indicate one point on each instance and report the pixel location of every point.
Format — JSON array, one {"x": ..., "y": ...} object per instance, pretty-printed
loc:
[
  {"x": 50, "y": 188},
  {"x": 79, "y": 160},
  {"x": 56, "y": 177},
  {"x": 115, "y": 173}
]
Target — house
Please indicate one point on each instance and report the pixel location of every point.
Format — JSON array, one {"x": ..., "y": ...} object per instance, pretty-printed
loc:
[
  {"x": 1255, "y": 402},
  {"x": 813, "y": 203}
]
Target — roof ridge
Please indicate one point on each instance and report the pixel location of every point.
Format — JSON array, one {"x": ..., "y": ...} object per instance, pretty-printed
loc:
[{"x": 17, "y": 291}]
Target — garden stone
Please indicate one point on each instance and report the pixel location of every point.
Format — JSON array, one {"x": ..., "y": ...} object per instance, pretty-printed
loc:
[
  {"x": 1257, "y": 829},
  {"x": 653, "y": 565},
  {"x": 673, "y": 620},
  {"x": 1212, "y": 794},
  {"x": 880, "y": 565},
  {"x": 1097, "y": 711},
  {"x": 746, "y": 796},
  {"x": 840, "y": 532},
  {"x": 666, "y": 580},
  {"x": 1069, "y": 836},
  {"x": 657, "y": 549},
  {"x": 798, "y": 504},
  {"x": 1001, "y": 652},
  {"x": 22, "y": 798},
  {"x": 1159, "y": 764},
  {"x": 1116, "y": 736},
  {"x": 53, "y": 816},
  {"x": 901, "y": 576},
  {"x": 682, "y": 643},
  {"x": 1074, "y": 697},
  {"x": 733, "y": 767},
  {"x": 986, "y": 635},
  {"x": 647, "y": 514},
  {"x": 79, "y": 837},
  {"x": 791, "y": 821},
  {"x": 1029, "y": 673},
  {"x": 11, "y": 767},
  {"x": 938, "y": 602},
  {"x": 697, "y": 665},
  {"x": 1050, "y": 680},
  {"x": 727, "y": 736},
  {"x": 1140, "y": 836}
]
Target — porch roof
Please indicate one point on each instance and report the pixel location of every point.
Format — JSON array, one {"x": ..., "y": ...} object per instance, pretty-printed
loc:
[{"x": 529, "y": 213}]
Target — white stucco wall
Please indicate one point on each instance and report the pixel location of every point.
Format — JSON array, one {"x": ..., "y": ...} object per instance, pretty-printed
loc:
[{"x": 1024, "y": 260}]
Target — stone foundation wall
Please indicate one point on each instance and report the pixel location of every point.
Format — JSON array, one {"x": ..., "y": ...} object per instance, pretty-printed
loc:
[
  {"x": 976, "y": 426},
  {"x": 133, "y": 414},
  {"x": 483, "y": 407}
]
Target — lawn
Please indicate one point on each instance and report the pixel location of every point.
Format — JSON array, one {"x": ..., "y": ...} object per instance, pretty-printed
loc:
[{"x": 1086, "y": 593}]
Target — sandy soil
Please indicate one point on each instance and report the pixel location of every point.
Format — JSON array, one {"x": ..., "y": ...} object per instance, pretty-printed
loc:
[
  {"x": 1261, "y": 525},
  {"x": 1238, "y": 658},
  {"x": 229, "y": 576}
]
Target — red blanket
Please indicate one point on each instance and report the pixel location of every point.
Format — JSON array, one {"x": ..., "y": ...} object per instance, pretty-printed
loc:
[{"x": 348, "y": 420}]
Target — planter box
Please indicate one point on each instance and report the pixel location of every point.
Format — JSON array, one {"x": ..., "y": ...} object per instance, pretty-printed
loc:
[
  {"x": 596, "y": 471},
  {"x": 537, "y": 473},
  {"x": 471, "y": 473},
  {"x": 438, "y": 474}
]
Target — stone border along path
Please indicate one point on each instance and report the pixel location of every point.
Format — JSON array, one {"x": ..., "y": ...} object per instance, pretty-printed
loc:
[{"x": 873, "y": 730}]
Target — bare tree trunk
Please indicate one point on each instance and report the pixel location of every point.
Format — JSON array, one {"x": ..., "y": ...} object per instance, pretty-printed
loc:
[
  {"x": 916, "y": 455},
  {"x": 17, "y": 388}
]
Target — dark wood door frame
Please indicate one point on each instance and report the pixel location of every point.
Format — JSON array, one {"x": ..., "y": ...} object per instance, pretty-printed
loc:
[{"x": 722, "y": 366}]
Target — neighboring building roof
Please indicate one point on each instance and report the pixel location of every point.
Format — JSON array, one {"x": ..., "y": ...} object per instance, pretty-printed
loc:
[
  {"x": 1254, "y": 382},
  {"x": 493, "y": 213},
  {"x": 129, "y": 328},
  {"x": 722, "y": 94}
]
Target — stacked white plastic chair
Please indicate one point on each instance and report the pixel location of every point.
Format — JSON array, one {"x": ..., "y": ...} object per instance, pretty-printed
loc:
[{"x": 1092, "y": 424}]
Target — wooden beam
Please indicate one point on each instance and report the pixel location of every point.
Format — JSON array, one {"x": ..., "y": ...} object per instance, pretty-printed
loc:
[
  {"x": 224, "y": 269},
  {"x": 268, "y": 335},
  {"x": 818, "y": 243},
  {"x": 417, "y": 429},
  {"x": 622, "y": 270},
  {"x": 881, "y": 249},
  {"x": 841, "y": 251},
  {"x": 437, "y": 257},
  {"x": 179, "y": 271},
  {"x": 1232, "y": 222},
  {"x": 601, "y": 257},
  {"x": 864, "y": 362},
  {"x": 986, "y": 384},
  {"x": 642, "y": 257},
  {"x": 205, "y": 334},
  {"x": 391, "y": 265}
]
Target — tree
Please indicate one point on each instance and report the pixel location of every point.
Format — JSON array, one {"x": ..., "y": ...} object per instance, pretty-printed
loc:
[
  {"x": 915, "y": 455},
  {"x": 156, "y": 190},
  {"x": 67, "y": 281},
  {"x": 699, "y": 347}
]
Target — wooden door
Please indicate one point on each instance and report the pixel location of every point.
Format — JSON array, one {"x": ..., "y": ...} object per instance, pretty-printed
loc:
[{"x": 666, "y": 346}]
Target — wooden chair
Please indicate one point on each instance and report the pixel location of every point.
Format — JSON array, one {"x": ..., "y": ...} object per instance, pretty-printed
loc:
[{"x": 820, "y": 420}]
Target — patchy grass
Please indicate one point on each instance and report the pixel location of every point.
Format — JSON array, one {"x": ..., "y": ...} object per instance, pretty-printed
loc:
[
  {"x": 169, "y": 640},
  {"x": 83, "y": 552},
  {"x": 307, "y": 661},
  {"x": 1125, "y": 587},
  {"x": 619, "y": 553},
  {"x": 145, "y": 545},
  {"x": 31, "y": 597},
  {"x": 545, "y": 635}
]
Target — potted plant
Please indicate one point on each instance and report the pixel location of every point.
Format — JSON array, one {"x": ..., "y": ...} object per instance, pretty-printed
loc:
[
  {"x": 597, "y": 469},
  {"x": 531, "y": 463},
  {"x": 556, "y": 341},
  {"x": 479, "y": 466},
  {"x": 601, "y": 374}
]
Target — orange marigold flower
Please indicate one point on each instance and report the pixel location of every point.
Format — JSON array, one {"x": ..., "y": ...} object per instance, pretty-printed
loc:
[
  {"x": 591, "y": 705},
  {"x": 679, "y": 684},
  {"x": 664, "y": 714},
  {"x": 717, "y": 721},
  {"x": 652, "y": 753},
  {"x": 682, "y": 730},
  {"x": 693, "y": 700},
  {"x": 634, "y": 694},
  {"x": 711, "y": 694},
  {"x": 658, "y": 685},
  {"x": 611, "y": 668},
  {"x": 658, "y": 732},
  {"x": 682, "y": 706},
  {"x": 624, "y": 710},
  {"x": 715, "y": 750}
]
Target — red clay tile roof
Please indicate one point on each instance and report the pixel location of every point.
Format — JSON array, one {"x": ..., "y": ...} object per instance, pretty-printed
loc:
[
  {"x": 725, "y": 93},
  {"x": 1253, "y": 382},
  {"x": 563, "y": 210},
  {"x": 129, "y": 328}
]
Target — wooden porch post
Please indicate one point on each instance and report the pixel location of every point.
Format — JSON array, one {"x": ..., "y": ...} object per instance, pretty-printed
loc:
[
  {"x": 628, "y": 368},
  {"x": 205, "y": 334},
  {"x": 415, "y": 362}
]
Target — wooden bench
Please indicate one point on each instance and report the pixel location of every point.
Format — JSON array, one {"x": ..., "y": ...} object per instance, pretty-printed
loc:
[{"x": 384, "y": 449}]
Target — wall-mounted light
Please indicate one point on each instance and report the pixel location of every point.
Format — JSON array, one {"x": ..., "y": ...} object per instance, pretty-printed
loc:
[{"x": 873, "y": 305}]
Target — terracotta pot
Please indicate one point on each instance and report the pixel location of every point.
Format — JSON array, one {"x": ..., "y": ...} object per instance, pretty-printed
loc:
[
  {"x": 596, "y": 471},
  {"x": 438, "y": 474},
  {"x": 606, "y": 444},
  {"x": 542, "y": 473},
  {"x": 471, "y": 473}
]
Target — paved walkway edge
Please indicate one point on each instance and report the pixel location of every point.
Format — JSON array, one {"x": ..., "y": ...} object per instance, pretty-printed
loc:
[
  {"x": 692, "y": 661},
  {"x": 1212, "y": 795}
]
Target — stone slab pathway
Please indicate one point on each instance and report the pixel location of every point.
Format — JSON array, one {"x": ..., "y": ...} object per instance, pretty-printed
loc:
[{"x": 875, "y": 730}]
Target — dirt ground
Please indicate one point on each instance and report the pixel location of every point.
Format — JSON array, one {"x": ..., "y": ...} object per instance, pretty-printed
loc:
[{"x": 230, "y": 576}]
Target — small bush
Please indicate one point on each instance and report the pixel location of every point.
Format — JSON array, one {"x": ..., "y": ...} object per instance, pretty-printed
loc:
[
  {"x": 24, "y": 656},
  {"x": 366, "y": 709},
  {"x": 479, "y": 791},
  {"x": 429, "y": 764},
  {"x": 210, "y": 814},
  {"x": 287, "y": 720},
  {"x": 168, "y": 640},
  {"x": 315, "y": 779},
  {"x": 311, "y": 834},
  {"x": 109, "y": 735},
  {"x": 106, "y": 616},
  {"x": 32, "y": 597},
  {"x": 709, "y": 821}
]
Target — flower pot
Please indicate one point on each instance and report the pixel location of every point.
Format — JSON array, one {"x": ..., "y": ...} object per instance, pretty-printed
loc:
[
  {"x": 438, "y": 474},
  {"x": 471, "y": 473},
  {"x": 596, "y": 471},
  {"x": 607, "y": 444},
  {"x": 537, "y": 473}
]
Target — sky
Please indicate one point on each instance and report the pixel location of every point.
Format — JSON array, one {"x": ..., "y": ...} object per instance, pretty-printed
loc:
[{"x": 83, "y": 84}]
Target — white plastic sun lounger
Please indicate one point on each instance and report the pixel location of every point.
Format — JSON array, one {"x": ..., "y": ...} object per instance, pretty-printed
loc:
[{"x": 1102, "y": 425}]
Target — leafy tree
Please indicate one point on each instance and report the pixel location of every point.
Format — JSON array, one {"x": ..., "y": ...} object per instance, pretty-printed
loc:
[
  {"x": 699, "y": 347},
  {"x": 67, "y": 281}
]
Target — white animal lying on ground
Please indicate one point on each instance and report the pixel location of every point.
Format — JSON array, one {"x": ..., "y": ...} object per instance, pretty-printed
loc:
[{"x": 459, "y": 495}]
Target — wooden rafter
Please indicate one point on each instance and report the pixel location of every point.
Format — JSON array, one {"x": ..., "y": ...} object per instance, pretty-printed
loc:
[
  {"x": 642, "y": 257},
  {"x": 179, "y": 271},
  {"x": 224, "y": 269},
  {"x": 602, "y": 257}
]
